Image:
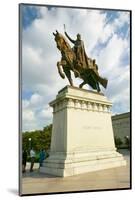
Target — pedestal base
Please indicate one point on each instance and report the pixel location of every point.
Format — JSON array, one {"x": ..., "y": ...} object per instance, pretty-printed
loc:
[
  {"x": 82, "y": 135},
  {"x": 74, "y": 163}
]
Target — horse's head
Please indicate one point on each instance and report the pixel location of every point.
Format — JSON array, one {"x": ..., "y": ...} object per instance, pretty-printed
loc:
[
  {"x": 61, "y": 42},
  {"x": 58, "y": 39}
]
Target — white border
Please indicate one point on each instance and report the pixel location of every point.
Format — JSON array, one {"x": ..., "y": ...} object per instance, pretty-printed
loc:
[{"x": 9, "y": 97}]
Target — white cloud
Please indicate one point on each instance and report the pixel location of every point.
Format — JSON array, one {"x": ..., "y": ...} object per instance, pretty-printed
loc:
[
  {"x": 110, "y": 57},
  {"x": 28, "y": 115},
  {"x": 36, "y": 99},
  {"x": 46, "y": 113},
  {"x": 36, "y": 113},
  {"x": 121, "y": 20},
  {"x": 40, "y": 56}
]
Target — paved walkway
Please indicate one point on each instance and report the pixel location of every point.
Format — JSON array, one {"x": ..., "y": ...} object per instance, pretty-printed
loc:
[{"x": 114, "y": 178}]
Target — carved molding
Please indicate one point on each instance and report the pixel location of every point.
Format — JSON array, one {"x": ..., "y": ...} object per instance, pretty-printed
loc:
[{"x": 80, "y": 104}]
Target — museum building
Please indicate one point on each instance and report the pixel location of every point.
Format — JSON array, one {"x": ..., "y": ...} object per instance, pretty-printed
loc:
[{"x": 121, "y": 125}]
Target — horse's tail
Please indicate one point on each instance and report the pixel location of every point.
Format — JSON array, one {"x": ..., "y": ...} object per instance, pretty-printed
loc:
[{"x": 103, "y": 81}]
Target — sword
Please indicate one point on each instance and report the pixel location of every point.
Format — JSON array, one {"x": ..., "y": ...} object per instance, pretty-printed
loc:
[{"x": 64, "y": 27}]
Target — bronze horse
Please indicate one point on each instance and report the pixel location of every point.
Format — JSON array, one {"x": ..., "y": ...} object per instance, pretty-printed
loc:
[{"x": 68, "y": 62}]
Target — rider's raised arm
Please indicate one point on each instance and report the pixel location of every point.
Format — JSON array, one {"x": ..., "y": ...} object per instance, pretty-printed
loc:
[{"x": 73, "y": 41}]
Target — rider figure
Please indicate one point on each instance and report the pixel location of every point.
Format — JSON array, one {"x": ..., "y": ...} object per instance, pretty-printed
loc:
[{"x": 81, "y": 57}]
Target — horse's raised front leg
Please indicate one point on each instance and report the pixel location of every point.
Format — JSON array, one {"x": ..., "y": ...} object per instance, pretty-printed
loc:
[
  {"x": 60, "y": 70},
  {"x": 65, "y": 70}
]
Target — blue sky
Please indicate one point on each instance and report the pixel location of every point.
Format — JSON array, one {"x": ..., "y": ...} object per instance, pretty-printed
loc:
[
  {"x": 106, "y": 38},
  {"x": 29, "y": 13}
]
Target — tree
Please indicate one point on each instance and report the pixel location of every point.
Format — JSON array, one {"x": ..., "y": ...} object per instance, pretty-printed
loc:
[
  {"x": 127, "y": 141},
  {"x": 40, "y": 139},
  {"x": 118, "y": 141}
]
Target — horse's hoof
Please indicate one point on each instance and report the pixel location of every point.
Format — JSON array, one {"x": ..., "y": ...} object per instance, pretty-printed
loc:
[
  {"x": 63, "y": 76},
  {"x": 80, "y": 86}
]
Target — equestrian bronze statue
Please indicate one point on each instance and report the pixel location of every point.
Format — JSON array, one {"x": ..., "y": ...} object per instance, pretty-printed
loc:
[{"x": 75, "y": 59}]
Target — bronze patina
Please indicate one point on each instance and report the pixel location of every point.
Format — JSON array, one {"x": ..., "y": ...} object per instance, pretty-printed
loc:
[{"x": 75, "y": 59}]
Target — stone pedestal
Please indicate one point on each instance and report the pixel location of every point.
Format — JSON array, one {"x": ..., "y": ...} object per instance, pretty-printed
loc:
[{"x": 82, "y": 136}]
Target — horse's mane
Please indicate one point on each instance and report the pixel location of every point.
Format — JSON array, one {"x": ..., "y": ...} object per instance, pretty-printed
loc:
[{"x": 65, "y": 41}]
